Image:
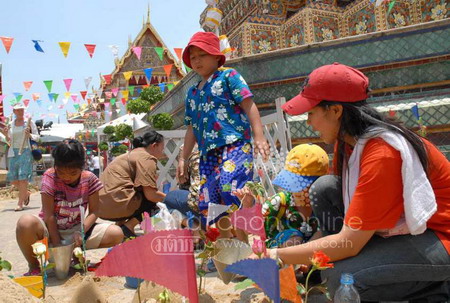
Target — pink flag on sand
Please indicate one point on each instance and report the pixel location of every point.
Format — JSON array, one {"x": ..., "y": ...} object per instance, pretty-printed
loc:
[
  {"x": 137, "y": 50},
  {"x": 250, "y": 220},
  {"x": 67, "y": 83},
  {"x": 165, "y": 257}
]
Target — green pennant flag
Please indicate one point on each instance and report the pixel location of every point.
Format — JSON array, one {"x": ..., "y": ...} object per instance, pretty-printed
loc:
[
  {"x": 55, "y": 97},
  {"x": 77, "y": 107},
  {"x": 92, "y": 133},
  {"x": 112, "y": 101},
  {"x": 160, "y": 52},
  {"x": 187, "y": 68},
  {"x": 19, "y": 97},
  {"x": 131, "y": 90},
  {"x": 48, "y": 84},
  {"x": 170, "y": 86},
  {"x": 391, "y": 5}
]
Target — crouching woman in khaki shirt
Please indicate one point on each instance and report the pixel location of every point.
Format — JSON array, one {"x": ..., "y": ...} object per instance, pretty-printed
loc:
[{"x": 129, "y": 183}]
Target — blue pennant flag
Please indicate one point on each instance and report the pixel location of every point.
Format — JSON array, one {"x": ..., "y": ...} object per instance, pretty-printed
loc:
[
  {"x": 37, "y": 46},
  {"x": 263, "y": 272},
  {"x": 39, "y": 102},
  {"x": 148, "y": 72},
  {"x": 162, "y": 86},
  {"x": 415, "y": 110},
  {"x": 51, "y": 96},
  {"x": 139, "y": 90}
]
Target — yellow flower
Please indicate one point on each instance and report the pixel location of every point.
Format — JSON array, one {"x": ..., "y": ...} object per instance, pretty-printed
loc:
[
  {"x": 439, "y": 12},
  {"x": 39, "y": 248}
]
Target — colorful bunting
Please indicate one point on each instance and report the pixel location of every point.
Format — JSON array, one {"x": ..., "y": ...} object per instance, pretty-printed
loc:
[
  {"x": 131, "y": 90},
  {"x": 415, "y": 111},
  {"x": 64, "y": 48},
  {"x": 87, "y": 81},
  {"x": 108, "y": 95},
  {"x": 39, "y": 102},
  {"x": 148, "y": 73},
  {"x": 169, "y": 86},
  {"x": 127, "y": 75},
  {"x": 114, "y": 50},
  {"x": 90, "y": 49},
  {"x": 76, "y": 106},
  {"x": 27, "y": 85},
  {"x": 83, "y": 94},
  {"x": 67, "y": 83},
  {"x": 160, "y": 52},
  {"x": 137, "y": 50},
  {"x": 51, "y": 96},
  {"x": 124, "y": 101},
  {"x": 250, "y": 220},
  {"x": 18, "y": 96},
  {"x": 167, "y": 69},
  {"x": 107, "y": 79},
  {"x": 7, "y": 42},
  {"x": 288, "y": 285},
  {"x": 74, "y": 98},
  {"x": 1, "y": 98},
  {"x": 35, "y": 96},
  {"x": 55, "y": 97},
  {"x": 37, "y": 46},
  {"x": 135, "y": 258},
  {"x": 162, "y": 86},
  {"x": 124, "y": 94},
  {"x": 186, "y": 68},
  {"x": 26, "y": 102},
  {"x": 179, "y": 52},
  {"x": 115, "y": 90},
  {"x": 264, "y": 272},
  {"x": 112, "y": 101},
  {"x": 48, "y": 84}
]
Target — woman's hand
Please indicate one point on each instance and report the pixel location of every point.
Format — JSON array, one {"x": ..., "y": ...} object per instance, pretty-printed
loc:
[
  {"x": 245, "y": 195},
  {"x": 182, "y": 171},
  {"x": 27, "y": 133},
  {"x": 261, "y": 147},
  {"x": 77, "y": 239}
]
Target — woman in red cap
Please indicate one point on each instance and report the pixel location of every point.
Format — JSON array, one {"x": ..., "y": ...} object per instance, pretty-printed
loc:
[
  {"x": 385, "y": 213},
  {"x": 220, "y": 115}
]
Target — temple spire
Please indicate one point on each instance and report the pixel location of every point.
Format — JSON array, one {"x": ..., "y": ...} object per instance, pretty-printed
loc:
[{"x": 148, "y": 13}]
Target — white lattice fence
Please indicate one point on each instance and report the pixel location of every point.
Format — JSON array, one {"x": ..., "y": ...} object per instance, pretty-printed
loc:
[{"x": 276, "y": 130}]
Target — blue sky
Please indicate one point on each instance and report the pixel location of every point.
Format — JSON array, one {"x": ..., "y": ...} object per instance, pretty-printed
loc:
[{"x": 100, "y": 22}]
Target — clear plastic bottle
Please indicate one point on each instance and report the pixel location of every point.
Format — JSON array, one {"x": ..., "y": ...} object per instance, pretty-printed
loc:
[{"x": 346, "y": 293}]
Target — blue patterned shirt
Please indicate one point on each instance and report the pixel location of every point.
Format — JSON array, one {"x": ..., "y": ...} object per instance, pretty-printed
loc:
[{"x": 214, "y": 111}]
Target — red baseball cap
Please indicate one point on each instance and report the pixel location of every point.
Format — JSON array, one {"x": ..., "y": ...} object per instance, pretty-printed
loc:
[
  {"x": 334, "y": 82},
  {"x": 208, "y": 42}
]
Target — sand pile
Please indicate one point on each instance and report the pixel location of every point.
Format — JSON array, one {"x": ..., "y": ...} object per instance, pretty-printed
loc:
[
  {"x": 88, "y": 292},
  {"x": 11, "y": 292}
]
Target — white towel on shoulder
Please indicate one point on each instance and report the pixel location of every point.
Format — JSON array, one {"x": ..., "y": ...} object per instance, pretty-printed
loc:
[{"x": 418, "y": 195}]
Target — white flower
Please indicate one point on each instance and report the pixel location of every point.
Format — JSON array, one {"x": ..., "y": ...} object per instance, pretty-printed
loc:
[
  {"x": 327, "y": 34},
  {"x": 39, "y": 248},
  {"x": 399, "y": 20},
  {"x": 230, "y": 139},
  {"x": 212, "y": 146},
  {"x": 78, "y": 252},
  {"x": 243, "y": 118},
  {"x": 439, "y": 12},
  {"x": 216, "y": 88},
  {"x": 361, "y": 27},
  {"x": 236, "y": 92},
  {"x": 264, "y": 46},
  {"x": 242, "y": 80},
  {"x": 207, "y": 107},
  {"x": 221, "y": 113},
  {"x": 192, "y": 103},
  {"x": 240, "y": 129},
  {"x": 205, "y": 120},
  {"x": 294, "y": 40},
  {"x": 202, "y": 93},
  {"x": 213, "y": 134}
]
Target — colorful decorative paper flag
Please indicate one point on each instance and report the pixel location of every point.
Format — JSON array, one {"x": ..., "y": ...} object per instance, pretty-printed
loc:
[
  {"x": 64, "y": 48},
  {"x": 106, "y": 105},
  {"x": 135, "y": 258},
  {"x": 115, "y": 90},
  {"x": 48, "y": 84},
  {"x": 264, "y": 272},
  {"x": 176, "y": 83},
  {"x": 108, "y": 95},
  {"x": 35, "y": 96},
  {"x": 178, "y": 52},
  {"x": 90, "y": 49},
  {"x": 27, "y": 85},
  {"x": 87, "y": 81},
  {"x": 50, "y": 108},
  {"x": 214, "y": 211},
  {"x": 76, "y": 106},
  {"x": 124, "y": 94},
  {"x": 18, "y": 96},
  {"x": 139, "y": 90},
  {"x": 391, "y": 5},
  {"x": 26, "y": 102},
  {"x": 127, "y": 75},
  {"x": 61, "y": 106},
  {"x": 112, "y": 101},
  {"x": 55, "y": 97},
  {"x": 167, "y": 69},
  {"x": 107, "y": 79},
  {"x": 39, "y": 102},
  {"x": 124, "y": 101},
  {"x": 50, "y": 96},
  {"x": 137, "y": 50},
  {"x": 415, "y": 111},
  {"x": 186, "y": 68},
  {"x": 83, "y": 94},
  {"x": 162, "y": 86},
  {"x": 74, "y": 98},
  {"x": 37, "y": 46},
  {"x": 67, "y": 95},
  {"x": 250, "y": 220},
  {"x": 92, "y": 133},
  {"x": 288, "y": 285},
  {"x": 169, "y": 86},
  {"x": 7, "y": 42},
  {"x": 148, "y": 73},
  {"x": 160, "y": 52},
  {"x": 114, "y": 50},
  {"x": 67, "y": 83},
  {"x": 131, "y": 90},
  {"x": 1, "y": 98}
]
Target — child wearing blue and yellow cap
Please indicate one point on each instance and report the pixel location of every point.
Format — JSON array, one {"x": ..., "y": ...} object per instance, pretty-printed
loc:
[{"x": 288, "y": 213}]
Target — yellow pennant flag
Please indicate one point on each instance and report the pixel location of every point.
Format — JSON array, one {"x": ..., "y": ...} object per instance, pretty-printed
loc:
[
  {"x": 176, "y": 83},
  {"x": 127, "y": 75},
  {"x": 124, "y": 94},
  {"x": 64, "y": 47},
  {"x": 67, "y": 95}
]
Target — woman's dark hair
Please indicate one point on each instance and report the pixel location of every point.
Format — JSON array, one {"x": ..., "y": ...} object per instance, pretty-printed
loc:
[
  {"x": 357, "y": 117},
  {"x": 69, "y": 153},
  {"x": 147, "y": 139}
]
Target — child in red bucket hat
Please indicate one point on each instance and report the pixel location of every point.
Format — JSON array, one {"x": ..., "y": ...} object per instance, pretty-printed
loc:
[
  {"x": 220, "y": 116},
  {"x": 386, "y": 206}
]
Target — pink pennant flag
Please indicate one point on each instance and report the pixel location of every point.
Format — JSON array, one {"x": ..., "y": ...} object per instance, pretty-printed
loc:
[
  {"x": 1, "y": 98},
  {"x": 167, "y": 69},
  {"x": 83, "y": 94},
  {"x": 61, "y": 106},
  {"x": 106, "y": 105},
  {"x": 90, "y": 49},
  {"x": 27, "y": 85},
  {"x": 155, "y": 257},
  {"x": 7, "y": 42},
  {"x": 35, "y": 96},
  {"x": 67, "y": 83},
  {"x": 137, "y": 50},
  {"x": 115, "y": 90},
  {"x": 107, "y": 79},
  {"x": 26, "y": 102},
  {"x": 74, "y": 98},
  {"x": 250, "y": 220},
  {"x": 109, "y": 95}
]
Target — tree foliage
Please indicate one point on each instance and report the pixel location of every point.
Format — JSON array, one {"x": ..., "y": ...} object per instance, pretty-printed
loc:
[
  {"x": 138, "y": 106},
  {"x": 162, "y": 121},
  {"x": 103, "y": 146},
  {"x": 109, "y": 130},
  {"x": 152, "y": 94},
  {"x": 123, "y": 131},
  {"x": 119, "y": 149}
]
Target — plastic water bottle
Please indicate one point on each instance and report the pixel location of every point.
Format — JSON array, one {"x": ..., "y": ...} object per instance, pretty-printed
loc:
[{"x": 346, "y": 293}]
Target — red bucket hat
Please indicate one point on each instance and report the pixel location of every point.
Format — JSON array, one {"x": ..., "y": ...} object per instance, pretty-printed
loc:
[
  {"x": 334, "y": 82},
  {"x": 208, "y": 42}
]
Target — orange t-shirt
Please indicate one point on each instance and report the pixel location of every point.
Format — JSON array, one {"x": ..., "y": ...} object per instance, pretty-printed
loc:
[{"x": 378, "y": 199}]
